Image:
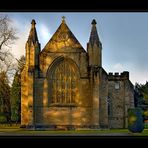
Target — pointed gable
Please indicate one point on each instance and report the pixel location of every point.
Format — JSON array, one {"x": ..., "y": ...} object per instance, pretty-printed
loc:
[
  {"x": 33, "y": 34},
  {"x": 94, "y": 38},
  {"x": 63, "y": 40}
]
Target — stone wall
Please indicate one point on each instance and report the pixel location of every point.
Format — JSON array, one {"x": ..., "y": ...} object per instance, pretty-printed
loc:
[
  {"x": 121, "y": 98},
  {"x": 116, "y": 96},
  {"x": 94, "y": 88},
  {"x": 38, "y": 101},
  {"x": 24, "y": 97},
  {"x": 103, "y": 95},
  {"x": 77, "y": 115},
  {"x": 62, "y": 115},
  {"x": 47, "y": 59}
]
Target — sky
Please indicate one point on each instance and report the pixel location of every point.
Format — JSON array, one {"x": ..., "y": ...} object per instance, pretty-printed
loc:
[{"x": 124, "y": 36}]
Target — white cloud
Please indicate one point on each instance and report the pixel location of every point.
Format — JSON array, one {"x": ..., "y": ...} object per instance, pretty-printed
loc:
[
  {"x": 18, "y": 49},
  {"x": 139, "y": 76},
  {"x": 43, "y": 34},
  {"x": 118, "y": 67}
]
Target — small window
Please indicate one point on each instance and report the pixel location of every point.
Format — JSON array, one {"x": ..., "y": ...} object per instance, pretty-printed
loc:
[{"x": 117, "y": 85}]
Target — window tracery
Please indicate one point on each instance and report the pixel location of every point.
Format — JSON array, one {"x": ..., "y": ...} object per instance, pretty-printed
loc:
[{"x": 64, "y": 81}]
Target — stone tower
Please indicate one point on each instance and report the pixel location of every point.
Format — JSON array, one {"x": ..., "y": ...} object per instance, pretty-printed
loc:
[
  {"x": 29, "y": 74},
  {"x": 98, "y": 78},
  {"x": 121, "y": 98},
  {"x": 94, "y": 47}
]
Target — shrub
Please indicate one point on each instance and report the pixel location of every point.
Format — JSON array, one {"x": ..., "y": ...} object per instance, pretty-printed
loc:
[
  {"x": 146, "y": 125},
  {"x": 145, "y": 113},
  {"x": 135, "y": 120},
  {"x": 3, "y": 119}
]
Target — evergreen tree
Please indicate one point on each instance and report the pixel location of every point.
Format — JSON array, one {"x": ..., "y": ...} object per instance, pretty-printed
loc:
[
  {"x": 144, "y": 91},
  {"x": 16, "y": 92},
  {"x": 138, "y": 96},
  {"x": 16, "y": 98},
  {"x": 5, "y": 111},
  {"x": 141, "y": 98}
]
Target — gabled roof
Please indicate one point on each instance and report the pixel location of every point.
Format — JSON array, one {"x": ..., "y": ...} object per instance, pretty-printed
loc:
[{"x": 63, "y": 40}]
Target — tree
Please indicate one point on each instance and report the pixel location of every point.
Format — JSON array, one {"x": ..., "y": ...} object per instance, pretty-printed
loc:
[
  {"x": 141, "y": 98},
  {"x": 21, "y": 63},
  {"x": 7, "y": 38},
  {"x": 15, "y": 98},
  {"x": 16, "y": 92},
  {"x": 138, "y": 96},
  {"x": 144, "y": 91},
  {"x": 5, "y": 111}
]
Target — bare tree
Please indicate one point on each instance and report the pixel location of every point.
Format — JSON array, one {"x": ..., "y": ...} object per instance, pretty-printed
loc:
[{"x": 7, "y": 38}]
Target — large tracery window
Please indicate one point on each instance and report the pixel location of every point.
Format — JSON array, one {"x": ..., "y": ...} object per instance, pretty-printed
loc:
[{"x": 63, "y": 83}]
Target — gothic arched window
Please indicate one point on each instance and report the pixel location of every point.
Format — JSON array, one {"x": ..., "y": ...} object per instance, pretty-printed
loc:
[{"x": 63, "y": 80}]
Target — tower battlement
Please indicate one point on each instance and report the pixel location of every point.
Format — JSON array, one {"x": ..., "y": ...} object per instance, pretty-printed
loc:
[{"x": 118, "y": 76}]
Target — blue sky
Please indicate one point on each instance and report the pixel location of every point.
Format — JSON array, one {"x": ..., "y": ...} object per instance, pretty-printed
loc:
[{"x": 124, "y": 37}]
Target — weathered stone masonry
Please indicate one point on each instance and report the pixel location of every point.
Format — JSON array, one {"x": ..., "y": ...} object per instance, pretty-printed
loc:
[{"x": 65, "y": 85}]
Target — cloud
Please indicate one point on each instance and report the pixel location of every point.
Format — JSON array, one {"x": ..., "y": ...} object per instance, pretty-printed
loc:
[
  {"x": 18, "y": 49},
  {"x": 118, "y": 67},
  {"x": 43, "y": 34},
  {"x": 134, "y": 65},
  {"x": 139, "y": 76}
]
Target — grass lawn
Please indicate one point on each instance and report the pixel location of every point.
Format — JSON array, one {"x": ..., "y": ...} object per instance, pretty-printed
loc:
[{"x": 15, "y": 130}]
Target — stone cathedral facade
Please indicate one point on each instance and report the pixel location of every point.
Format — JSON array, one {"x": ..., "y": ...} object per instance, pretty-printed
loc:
[{"x": 64, "y": 85}]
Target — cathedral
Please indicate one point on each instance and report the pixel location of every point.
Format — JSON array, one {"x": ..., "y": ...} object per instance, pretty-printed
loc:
[{"x": 65, "y": 86}]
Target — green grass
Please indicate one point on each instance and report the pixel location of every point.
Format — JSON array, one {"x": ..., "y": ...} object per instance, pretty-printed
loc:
[
  {"x": 73, "y": 132},
  {"x": 14, "y": 129},
  {"x": 8, "y": 126}
]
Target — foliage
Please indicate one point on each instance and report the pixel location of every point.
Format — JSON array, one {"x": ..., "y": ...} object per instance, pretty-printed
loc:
[
  {"x": 146, "y": 125},
  {"x": 142, "y": 90},
  {"x": 4, "y": 96},
  {"x": 141, "y": 98},
  {"x": 145, "y": 113},
  {"x": 21, "y": 63},
  {"x": 15, "y": 98},
  {"x": 138, "y": 97},
  {"x": 3, "y": 118},
  {"x": 16, "y": 92},
  {"x": 135, "y": 120}
]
